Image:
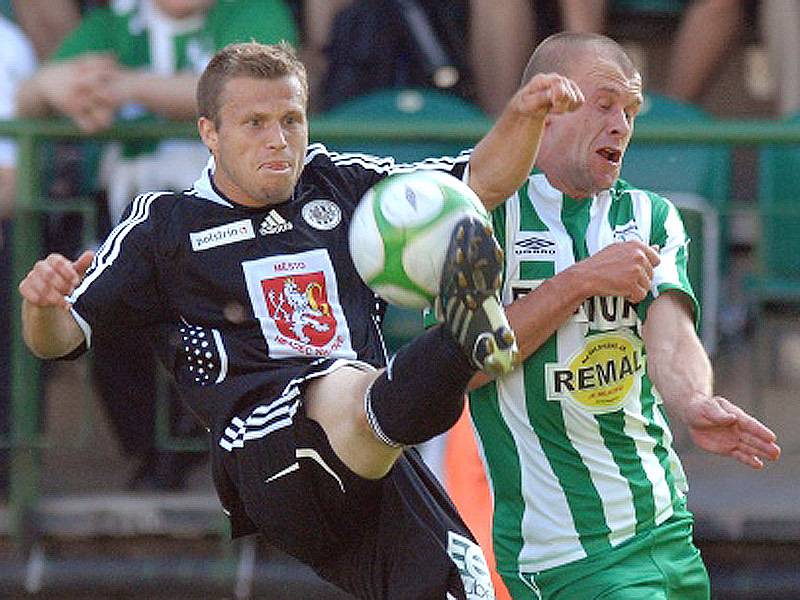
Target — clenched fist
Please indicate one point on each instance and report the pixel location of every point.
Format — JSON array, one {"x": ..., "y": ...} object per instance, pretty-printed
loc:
[
  {"x": 547, "y": 93},
  {"x": 53, "y": 278}
]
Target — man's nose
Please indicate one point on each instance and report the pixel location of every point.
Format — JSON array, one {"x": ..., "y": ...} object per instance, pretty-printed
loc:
[
  {"x": 620, "y": 125},
  {"x": 275, "y": 137}
]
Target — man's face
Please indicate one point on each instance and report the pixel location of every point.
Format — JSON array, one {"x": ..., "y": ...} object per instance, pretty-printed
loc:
[
  {"x": 582, "y": 151},
  {"x": 260, "y": 138},
  {"x": 180, "y": 9}
]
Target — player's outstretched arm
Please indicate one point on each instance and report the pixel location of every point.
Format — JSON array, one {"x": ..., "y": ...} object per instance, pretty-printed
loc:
[
  {"x": 503, "y": 159},
  {"x": 48, "y": 328},
  {"x": 681, "y": 371}
]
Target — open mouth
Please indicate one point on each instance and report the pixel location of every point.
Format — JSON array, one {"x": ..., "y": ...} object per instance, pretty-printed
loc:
[{"x": 612, "y": 155}]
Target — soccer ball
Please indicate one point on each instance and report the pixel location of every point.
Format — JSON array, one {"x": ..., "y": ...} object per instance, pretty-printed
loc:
[{"x": 401, "y": 230}]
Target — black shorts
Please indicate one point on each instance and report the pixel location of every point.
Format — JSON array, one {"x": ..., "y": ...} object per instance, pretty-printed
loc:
[{"x": 399, "y": 537}]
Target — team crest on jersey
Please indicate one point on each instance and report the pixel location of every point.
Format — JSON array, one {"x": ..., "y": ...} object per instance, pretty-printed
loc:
[
  {"x": 295, "y": 298},
  {"x": 299, "y": 305},
  {"x": 627, "y": 232},
  {"x": 602, "y": 375},
  {"x": 322, "y": 214}
]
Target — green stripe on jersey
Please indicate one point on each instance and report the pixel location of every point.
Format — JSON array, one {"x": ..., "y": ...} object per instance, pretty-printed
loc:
[
  {"x": 498, "y": 447},
  {"x": 547, "y": 421}
]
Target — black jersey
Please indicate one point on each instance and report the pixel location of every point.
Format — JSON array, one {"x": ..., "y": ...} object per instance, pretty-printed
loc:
[{"x": 241, "y": 298}]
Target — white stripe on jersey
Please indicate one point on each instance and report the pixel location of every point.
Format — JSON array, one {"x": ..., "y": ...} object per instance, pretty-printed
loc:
[
  {"x": 261, "y": 420},
  {"x": 544, "y": 517},
  {"x": 675, "y": 466},
  {"x": 667, "y": 271},
  {"x": 385, "y": 164},
  {"x": 110, "y": 249},
  {"x": 645, "y": 444}
]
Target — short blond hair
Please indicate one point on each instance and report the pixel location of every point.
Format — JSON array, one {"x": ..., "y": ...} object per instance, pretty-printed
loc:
[{"x": 250, "y": 59}]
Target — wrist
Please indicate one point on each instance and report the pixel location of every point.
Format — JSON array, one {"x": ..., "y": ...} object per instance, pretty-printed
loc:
[{"x": 576, "y": 283}]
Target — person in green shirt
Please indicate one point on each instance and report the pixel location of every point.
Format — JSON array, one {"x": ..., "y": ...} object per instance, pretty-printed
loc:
[
  {"x": 589, "y": 494},
  {"x": 143, "y": 58}
]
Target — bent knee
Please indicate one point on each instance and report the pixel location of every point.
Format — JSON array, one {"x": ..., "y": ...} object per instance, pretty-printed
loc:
[{"x": 336, "y": 402}]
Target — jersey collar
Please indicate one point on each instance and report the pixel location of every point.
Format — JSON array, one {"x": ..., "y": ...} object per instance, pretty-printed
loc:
[{"x": 204, "y": 187}]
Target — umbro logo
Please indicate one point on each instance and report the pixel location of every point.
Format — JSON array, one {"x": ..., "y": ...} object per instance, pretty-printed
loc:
[
  {"x": 274, "y": 223},
  {"x": 540, "y": 244}
]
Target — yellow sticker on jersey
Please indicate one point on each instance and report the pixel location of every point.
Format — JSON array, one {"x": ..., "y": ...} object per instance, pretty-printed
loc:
[{"x": 602, "y": 375}]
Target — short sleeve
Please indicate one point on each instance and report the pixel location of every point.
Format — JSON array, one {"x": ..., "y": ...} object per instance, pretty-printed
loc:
[
  {"x": 120, "y": 288},
  {"x": 668, "y": 233},
  {"x": 357, "y": 172}
]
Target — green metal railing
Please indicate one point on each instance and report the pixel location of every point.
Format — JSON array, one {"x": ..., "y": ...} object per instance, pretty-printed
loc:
[{"x": 25, "y": 440}]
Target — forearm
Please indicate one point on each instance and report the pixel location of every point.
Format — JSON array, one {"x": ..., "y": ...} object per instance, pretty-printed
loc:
[
  {"x": 172, "y": 97},
  {"x": 504, "y": 158},
  {"x": 537, "y": 315},
  {"x": 50, "y": 332},
  {"x": 677, "y": 363}
]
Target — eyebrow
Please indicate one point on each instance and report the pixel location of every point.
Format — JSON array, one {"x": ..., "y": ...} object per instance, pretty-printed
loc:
[{"x": 615, "y": 91}]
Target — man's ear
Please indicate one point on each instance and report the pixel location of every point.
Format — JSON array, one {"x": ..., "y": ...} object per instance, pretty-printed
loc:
[{"x": 208, "y": 133}]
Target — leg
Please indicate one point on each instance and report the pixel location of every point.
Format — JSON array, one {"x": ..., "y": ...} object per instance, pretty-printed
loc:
[
  {"x": 500, "y": 43},
  {"x": 368, "y": 417},
  {"x": 780, "y": 20},
  {"x": 704, "y": 36},
  {"x": 584, "y": 16}
]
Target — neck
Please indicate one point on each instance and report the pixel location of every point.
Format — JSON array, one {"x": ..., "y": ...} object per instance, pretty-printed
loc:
[{"x": 566, "y": 187}]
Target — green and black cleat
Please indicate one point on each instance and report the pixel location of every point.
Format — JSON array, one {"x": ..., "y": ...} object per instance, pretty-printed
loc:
[{"x": 469, "y": 298}]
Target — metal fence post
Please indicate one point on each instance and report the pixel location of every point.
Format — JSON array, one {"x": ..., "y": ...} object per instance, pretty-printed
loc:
[{"x": 25, "y": 368}]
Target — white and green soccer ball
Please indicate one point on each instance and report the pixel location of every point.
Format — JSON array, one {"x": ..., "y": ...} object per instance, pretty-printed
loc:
[{"x": 401, "y": 230}]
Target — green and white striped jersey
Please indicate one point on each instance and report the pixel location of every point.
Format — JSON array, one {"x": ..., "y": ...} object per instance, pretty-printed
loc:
[{"x": 576, "y": 441}]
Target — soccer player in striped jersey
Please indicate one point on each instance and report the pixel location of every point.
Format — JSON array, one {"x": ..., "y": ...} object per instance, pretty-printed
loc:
[
  {"x": 247, "y": 282},
  {"x": 590, "y": 497}
]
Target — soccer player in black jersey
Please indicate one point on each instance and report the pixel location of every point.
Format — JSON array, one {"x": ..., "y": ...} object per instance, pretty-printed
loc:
[{"x": 246, "y": 282}]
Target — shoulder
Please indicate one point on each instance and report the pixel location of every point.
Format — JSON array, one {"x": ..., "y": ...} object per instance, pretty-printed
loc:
[
  {"x": 318, "y": 156},
  {"x": 150, "y": 206}
]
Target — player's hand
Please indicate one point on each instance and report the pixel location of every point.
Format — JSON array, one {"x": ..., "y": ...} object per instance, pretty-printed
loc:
[
  {"x": 721, "y": 427},
  {"x": 53, "y": 278},
  {"x": 548, "y": 93},
  {"x": 621, "y": 269}
]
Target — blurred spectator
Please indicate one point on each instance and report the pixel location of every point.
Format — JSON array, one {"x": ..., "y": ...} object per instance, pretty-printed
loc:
[
  {"x": 136, "y": 60},
  {"x": 501, "y": 41},
  {"x": 707, "y": 31},
  {"x": 141, "y": 58},
  {"x": 17, "y": 62},
  {"x": 358, "y": 46},
  {"x": 780, "y": 21},
  {"x": 46, "y": 22}
]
